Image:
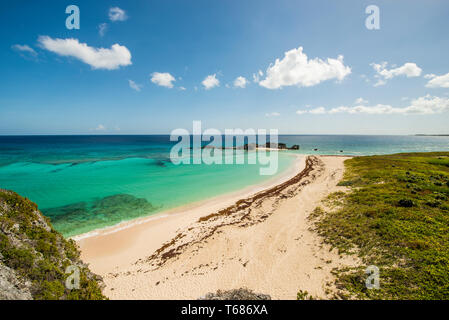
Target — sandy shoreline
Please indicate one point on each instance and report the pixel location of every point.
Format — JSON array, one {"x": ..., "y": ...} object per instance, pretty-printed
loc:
[
  {"x": 217, "y": 201},
  {"x": 190, "y": 211},
  {"x": 258, "y": 238}
]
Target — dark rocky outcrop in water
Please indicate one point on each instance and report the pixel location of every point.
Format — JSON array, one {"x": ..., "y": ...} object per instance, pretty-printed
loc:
[
  {"x": 236, "y": 294},
  {"x": 34, "y": 256},
  {"x": 254, "y": 146},
  {"x": 271, "y": 145}
]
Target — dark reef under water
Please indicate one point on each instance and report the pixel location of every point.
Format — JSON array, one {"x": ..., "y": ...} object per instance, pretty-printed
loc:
[{"x": 99, "y": 212}]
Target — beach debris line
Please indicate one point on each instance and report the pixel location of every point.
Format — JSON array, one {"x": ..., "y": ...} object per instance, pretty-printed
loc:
[{"x": 244, "y": 213}]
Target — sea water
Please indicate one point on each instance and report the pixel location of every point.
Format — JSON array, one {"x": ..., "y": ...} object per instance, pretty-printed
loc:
[{"x": 88, "y": 182}]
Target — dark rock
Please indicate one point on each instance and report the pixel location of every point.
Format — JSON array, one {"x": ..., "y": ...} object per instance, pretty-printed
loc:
[
  {"x": 295, "y": 147},
  {"x": 273, "y": 145},
  {"x": 282, "y": 146}
]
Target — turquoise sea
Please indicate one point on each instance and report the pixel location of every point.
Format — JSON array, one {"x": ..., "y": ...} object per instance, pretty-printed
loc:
[{"x": 88, "y": 182}]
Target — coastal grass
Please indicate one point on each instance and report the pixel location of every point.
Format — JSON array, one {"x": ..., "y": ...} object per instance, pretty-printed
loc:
[{"x": 395, "y": 215}]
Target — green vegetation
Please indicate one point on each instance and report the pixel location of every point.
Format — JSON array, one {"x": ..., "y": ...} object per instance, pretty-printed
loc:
[
  {"x": 303, "y": 295},
  {"x": 38, "y": 254},
  {"x": 395, "y": 216}
]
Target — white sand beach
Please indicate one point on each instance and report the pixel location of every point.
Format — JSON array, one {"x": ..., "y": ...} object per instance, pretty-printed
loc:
[{"x": 258, "y": 238}]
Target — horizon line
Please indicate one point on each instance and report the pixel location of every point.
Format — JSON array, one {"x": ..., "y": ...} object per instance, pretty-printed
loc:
[{"x": 168, "y": 134}]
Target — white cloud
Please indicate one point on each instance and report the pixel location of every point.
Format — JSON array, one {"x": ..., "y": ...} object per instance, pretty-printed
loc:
[
  {"x": 439, "y": 81},
  {"x": 100, "y": 127},
  {"x": 425, "y": 105},
  {"x": 430, "y": 76},
  {"x": 24, "y": 48},
  {"x": 182, "y": 88},
  {"x": 210, "y": 81},
  {"x": 319, "y": 110},
  {"x": 379, "y": 83},
  {"x": 117, "y": 14},
  {"x": 102, "y": 28},
  {"x": 361, "y": 101},
  {"x": 272, "y": 114},
  {"x": 134, "y": 85},
  {"x": 296, "y": 69},
  {"x": 97, "y": 58},
  {"x": 163, "y": 79},
  {"x": 409, "y": 70},
  {"x": 308, "y": 106},
  {"x": 240, "y": 82},
  {"x": 422, "y": 105},
  {"x": 256, "y": 76}
]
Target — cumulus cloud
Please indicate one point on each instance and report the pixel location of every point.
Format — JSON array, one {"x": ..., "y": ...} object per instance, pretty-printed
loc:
[
  {"x": 134, "y": 85},
  {"x": 409, "y": 70},
  {"x": 272, "y": 114},
  {"x": 102, "y": 28},
  {"x": 182, "y": 88},
  {"x": 24, "y": 48},
  {"x": 425, "y": 105},
  {"x": 117, "y": 14},
  {"x": 210, "y": 81},
  {"x": 97, "y": 58},
  {"x": 295, "y": 69},
  {"x": 163, "y": 79},
  {"x": 240, "y": 82},
  {"x": 438, "y": 81}
]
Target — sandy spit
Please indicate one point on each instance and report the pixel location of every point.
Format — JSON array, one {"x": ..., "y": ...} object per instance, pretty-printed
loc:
[{"x": 258, "y": 238}]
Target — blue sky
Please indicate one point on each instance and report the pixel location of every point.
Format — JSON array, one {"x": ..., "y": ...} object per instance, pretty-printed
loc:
[{"x": 394, "y": 80}]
